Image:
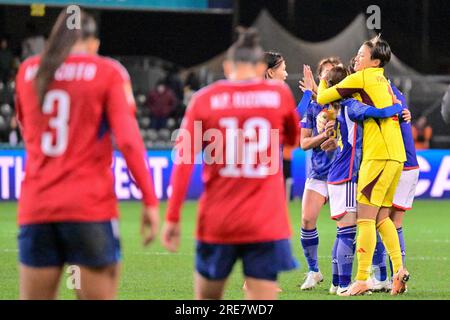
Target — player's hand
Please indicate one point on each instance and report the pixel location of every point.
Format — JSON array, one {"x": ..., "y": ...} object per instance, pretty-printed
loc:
[
  {"x": 310, "y": 76},
  {"x": 308, "y": 83},
  {"x": 301, "y": 85},
  {"x": 321, "y": 121},
  {"x": 171, "y": 236},
  {"x": 406, "y": 114},
  {"x": 329, "y": 128},
  {"x": 149, "y": 224},
  {"x": 329, "y": 145}
]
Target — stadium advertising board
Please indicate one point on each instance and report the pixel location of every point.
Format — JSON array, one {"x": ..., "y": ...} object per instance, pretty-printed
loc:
[{"x": 434, "y": 180}]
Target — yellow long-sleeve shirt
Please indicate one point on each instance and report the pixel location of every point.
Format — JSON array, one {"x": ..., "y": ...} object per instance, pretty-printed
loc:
[{"x": 382, "y": 138}]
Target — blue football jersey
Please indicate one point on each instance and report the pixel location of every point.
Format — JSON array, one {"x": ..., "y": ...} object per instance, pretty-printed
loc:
[
  {"x": 320, "y": 161},
  {"x": 408, "y": 140},
  {"x": 349, "y": 132}
]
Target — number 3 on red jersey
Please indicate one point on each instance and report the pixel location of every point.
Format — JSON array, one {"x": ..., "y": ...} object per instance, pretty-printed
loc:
[{"x": 60, "y": 122}]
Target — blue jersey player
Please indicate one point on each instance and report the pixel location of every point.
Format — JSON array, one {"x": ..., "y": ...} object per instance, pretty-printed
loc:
[{"x": 316, "y": 193}]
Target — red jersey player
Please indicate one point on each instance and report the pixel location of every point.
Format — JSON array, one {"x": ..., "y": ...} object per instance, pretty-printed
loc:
[
  {"x": 242, "y": 212},
  {"x": 69, "y": 101}
]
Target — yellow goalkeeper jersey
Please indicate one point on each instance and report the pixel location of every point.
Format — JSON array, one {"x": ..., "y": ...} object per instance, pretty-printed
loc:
[{"x": 382, "y": 138}]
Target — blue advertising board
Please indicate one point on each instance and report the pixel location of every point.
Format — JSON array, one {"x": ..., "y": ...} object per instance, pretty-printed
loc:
[{"x": 434, "y": 179}]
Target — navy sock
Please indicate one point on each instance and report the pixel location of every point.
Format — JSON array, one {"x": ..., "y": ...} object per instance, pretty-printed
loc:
[
  {"x": 345, "y": 254},
  {"x": 310, "y": 242},
  {"x": 334, "y": 263}
]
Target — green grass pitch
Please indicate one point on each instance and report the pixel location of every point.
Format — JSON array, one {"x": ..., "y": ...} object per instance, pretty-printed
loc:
[{"x": 153, "y": 273}]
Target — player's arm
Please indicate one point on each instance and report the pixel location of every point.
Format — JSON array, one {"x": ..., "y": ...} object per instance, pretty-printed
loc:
[
  {"x": 120, "y": 111},
  {"x": 350, "y": 85},
  {"x": 304, "y": 102},
  {"x": 359, "y": 112},
  {"x": 307, "y": 140},
  {"x": 186, "y": 149}
]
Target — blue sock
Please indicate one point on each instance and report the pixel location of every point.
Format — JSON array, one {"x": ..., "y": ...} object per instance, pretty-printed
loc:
[
  {"x": 402, "y": 243},
  {"x": 379, "y": 260},
  {"x": 345, "y": 254},
  {"x": 310, "y": 242},
  {"x": 402, "y": 248},
  {"x": 334, "y": 263}
]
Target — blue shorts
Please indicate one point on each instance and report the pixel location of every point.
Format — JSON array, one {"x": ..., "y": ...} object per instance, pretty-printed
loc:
[
  {"x": 262, "y": 260},
  {"x": 55, "y": 244}
]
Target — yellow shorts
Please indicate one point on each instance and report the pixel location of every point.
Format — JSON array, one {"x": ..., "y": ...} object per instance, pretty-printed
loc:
[{"x": 378, "y": 181}]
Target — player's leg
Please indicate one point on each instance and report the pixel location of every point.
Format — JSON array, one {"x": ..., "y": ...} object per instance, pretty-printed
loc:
[
  {"x": 262, "y": 262},
  {"x": 93, "y": 251},
  {"x": 388, "y": 232},
  {"x": 370, "y": 196},
  {"x": 389, "y": 236},
  {"x": 346, "y": 251},
  {"x": 379, "y": 279},
  {"x": 260, "y": 289},
  {"x": 98, "y": 283},
  {"x": 397, "y": 216},
  {"x": 314, "y": 197},
  {"x": 343, "y": 209},
  {"x": 403, "y": 201},
  {"x": 41, "y": 262},
  {"x": 213, "y": 264},
  {"x": 334, "y": 266},
  {"x": 385, "y": 226},
  {"x": 207, "y": 289},
  {"x": 38, "y": 283}
]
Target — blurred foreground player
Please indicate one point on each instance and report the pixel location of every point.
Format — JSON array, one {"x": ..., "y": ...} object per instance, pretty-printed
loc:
[
  {"x": 69, "y": 102},
  {"x": 242, "y": 212}
]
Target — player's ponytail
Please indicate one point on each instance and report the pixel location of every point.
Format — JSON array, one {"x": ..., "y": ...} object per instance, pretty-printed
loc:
[
  {"x": 247, "y": 47},
  {"x": 59, "y": 45}
]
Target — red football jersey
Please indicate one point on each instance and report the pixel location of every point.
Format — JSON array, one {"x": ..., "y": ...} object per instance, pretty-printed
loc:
[
  {"x": 240, "y": 127},
  {"x": 68, "y": 140}
]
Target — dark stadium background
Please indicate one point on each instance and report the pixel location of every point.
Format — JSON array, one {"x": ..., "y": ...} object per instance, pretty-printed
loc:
[{"x": 418, "y": 30}]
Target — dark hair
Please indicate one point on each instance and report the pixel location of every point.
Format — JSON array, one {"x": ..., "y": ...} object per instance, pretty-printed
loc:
[
  {"x": 273, "y": 61},
  {"x": 247, "y": 47},
  {"x": 58, "y": 47},
  {"x": 334, "y": 61},
  {"x": 379, "y": 49},
  {"x": 192, "y": 81},
  {"x": 334, "y": 76},
  {"x": 351, "y": 65}
]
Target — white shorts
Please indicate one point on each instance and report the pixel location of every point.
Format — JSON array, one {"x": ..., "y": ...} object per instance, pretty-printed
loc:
[
  {"x": 318, "y": 186},
  {"x": 342, "y": 199},
  {"x": 406, "y": 188}
]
